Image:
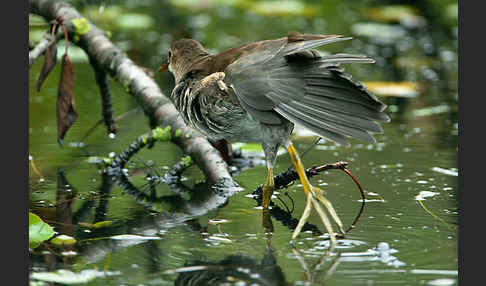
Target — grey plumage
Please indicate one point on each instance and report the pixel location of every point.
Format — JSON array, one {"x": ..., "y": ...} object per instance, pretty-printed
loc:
[{"x": 307, "y": 89}]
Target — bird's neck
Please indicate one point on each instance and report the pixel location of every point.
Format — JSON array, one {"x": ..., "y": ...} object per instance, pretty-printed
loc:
[{"x": 188, "y": 67}]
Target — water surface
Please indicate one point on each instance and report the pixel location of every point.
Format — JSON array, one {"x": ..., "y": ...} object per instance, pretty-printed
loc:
[{"x": 407, "y": 234}]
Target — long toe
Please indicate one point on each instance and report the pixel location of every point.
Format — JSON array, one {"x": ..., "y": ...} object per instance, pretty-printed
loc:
[{"x": 318, "y": 194}]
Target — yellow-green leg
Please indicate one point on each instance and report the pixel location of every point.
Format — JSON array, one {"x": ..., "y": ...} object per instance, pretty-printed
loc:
[
  {"x": 314, "y": 196},
  {"x": 267, "y": 189}
]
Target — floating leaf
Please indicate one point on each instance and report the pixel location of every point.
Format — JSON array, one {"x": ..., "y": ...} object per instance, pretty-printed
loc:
[
  {"x": 394, "y": 89},
  {"x": 425, "y": 194},
  {"x": 218, "y": 221},
  {"x": 102, "y": 224},
  {"x": 66, "y": 111},
  {"x": 50, "y": 60},
  {"x": 133, "y": 237},
  {"x": 68, "y": 277},
  {"x": 69, "y": 253},
  {"x": 450, "y": 172},
  {"x": 63, "y": 240},
  {"x": 39, "y": 231},
  {"x": 219, "y": 239}
]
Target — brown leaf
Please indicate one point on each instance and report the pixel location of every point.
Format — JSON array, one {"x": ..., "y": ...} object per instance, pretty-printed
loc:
[
  {"x": 50, "y": 60},
  {"x": 66, "y": 111}
]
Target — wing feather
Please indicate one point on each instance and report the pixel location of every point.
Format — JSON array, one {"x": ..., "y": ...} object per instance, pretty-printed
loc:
[{"x": 291, "y": 80}]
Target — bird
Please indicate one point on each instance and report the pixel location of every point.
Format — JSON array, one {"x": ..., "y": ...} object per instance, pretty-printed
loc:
[{"x": 258, "y": 91}]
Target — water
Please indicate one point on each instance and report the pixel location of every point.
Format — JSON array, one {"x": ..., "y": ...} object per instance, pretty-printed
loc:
[{"x": 407, "y": 234}]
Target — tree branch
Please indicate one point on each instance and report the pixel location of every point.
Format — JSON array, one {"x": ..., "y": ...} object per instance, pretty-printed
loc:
[
  {"x": 156, "y": 106},
  {"x": 102, "y": 80},
  {"x": 40, "y": 48}
]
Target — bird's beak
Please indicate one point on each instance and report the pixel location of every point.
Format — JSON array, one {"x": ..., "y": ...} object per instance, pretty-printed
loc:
[{"x": 164, "y": 66}]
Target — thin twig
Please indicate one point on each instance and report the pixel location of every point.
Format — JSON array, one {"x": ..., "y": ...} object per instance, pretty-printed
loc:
[
  {"x": 66, "y": 38},
  {"x": 310, "y": 147},
  {"x": 40, "y": 48},
  {"x": 36, "y": 24},
  {"x": 118, "y": 118},
  {"x": 363, "y": 200},
  {"x": 45, "y": 42},
  {"x": 102, "y": 80},
  {"x": 43, "y": 23},
  {"x": 31, "y": 159},
  {"x": 287, "y": 177}
]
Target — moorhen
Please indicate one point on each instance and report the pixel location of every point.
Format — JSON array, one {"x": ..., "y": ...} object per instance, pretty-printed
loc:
[{"x": 257, "y": 91}]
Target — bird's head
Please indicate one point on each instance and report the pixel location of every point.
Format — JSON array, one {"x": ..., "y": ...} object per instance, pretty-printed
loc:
[{"x": 182, "y": 55}]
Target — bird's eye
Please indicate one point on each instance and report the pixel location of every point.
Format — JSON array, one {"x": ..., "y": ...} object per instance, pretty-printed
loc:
[{"x": 170, "y": 54}]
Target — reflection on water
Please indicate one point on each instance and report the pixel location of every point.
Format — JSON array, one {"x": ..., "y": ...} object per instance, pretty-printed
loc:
[{"x": 146, "y": 229}]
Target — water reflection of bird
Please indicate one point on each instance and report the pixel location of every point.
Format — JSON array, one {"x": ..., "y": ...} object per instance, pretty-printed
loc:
[
  {"x": 256, "y": 92},
  {"x": 233, "y": 269}
]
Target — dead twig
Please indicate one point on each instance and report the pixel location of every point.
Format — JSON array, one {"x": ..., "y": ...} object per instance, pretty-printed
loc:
[
  {"x": 117, "y": 119},
  {"x": 288, "y": 177}
]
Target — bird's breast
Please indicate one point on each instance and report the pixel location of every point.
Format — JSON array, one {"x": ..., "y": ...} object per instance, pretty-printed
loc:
[{"x": 209, "y": 106}]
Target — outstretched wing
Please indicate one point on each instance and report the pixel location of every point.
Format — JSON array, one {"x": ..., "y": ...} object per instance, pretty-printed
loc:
[{"x": 289, "y": 79}]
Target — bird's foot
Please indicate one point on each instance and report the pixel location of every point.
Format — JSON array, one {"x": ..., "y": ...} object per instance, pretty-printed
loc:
[
  {"x": 314, "y": 200},
  {"x": 315, "y": 196},
  {"x": 319, "y": 195}
]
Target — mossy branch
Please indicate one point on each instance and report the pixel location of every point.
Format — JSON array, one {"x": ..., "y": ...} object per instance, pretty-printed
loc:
[{"x": 157, "y": 107}]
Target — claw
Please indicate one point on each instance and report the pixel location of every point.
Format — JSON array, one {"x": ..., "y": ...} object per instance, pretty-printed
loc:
[
  {"x": 318, "y": 195},
  {"x": 305, "y": 216},
  {"x": 314, "y": 196},
  {"x": 325, "y": 220}
]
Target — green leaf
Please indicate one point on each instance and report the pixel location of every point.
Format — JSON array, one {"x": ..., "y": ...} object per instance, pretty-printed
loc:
[
  {"x": 68, "y": 277},
  {"x": 187, "y": 161},
  {"x": 81, "y": 25},
  {"x": 133, "y": 237},
  {"x": 39, "y": 231},
  {"x": 102, "y": 224},
  {"x": 162, "y": 134},
  {"x": 63, "y": 240}
]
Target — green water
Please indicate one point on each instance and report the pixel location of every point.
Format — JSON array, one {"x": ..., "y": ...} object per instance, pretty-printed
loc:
[{"x": 409, "y": 177}]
